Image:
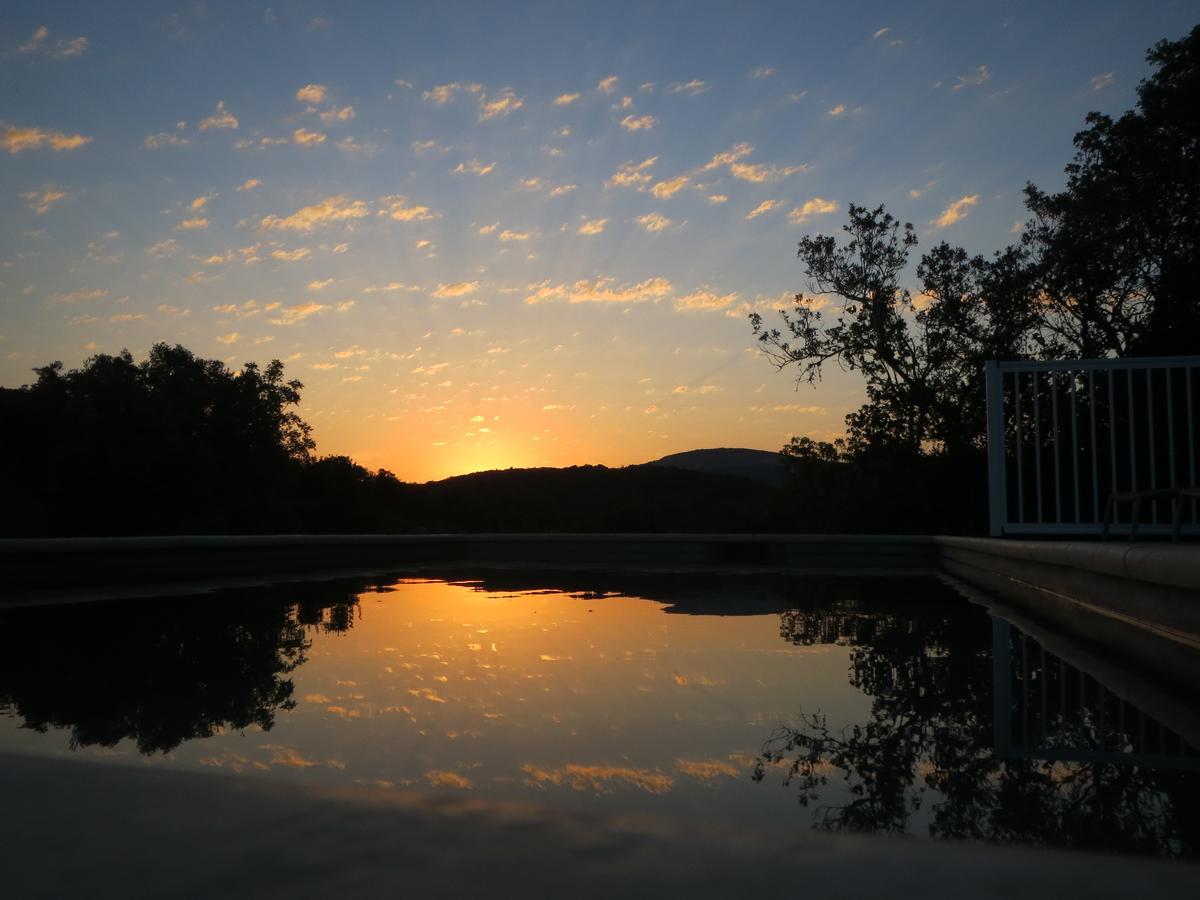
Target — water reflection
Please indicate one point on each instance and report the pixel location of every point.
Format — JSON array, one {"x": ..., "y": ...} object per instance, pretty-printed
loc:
[
  {"x": 1014, "y": 745},
  {"x": 142, "y": 671},
  {"x": 920, "y": 713}
]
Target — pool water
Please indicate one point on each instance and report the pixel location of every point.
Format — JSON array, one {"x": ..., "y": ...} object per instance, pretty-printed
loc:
[{"x": 857, "y": 704}]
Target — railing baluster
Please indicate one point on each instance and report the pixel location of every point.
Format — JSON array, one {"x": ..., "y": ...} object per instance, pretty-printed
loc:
[
  {"x": 1150, "y": 433},
  {"x": 1132, "y": 433},
  {"x": 1075, "y": 444},
  {"x": 1095, "y": 450},
  {"x": 1112, "y": 441},
  {"x": 1174, "y": 481},
  {"x": 1037, "y": 441},
  {"x": 1052, "y": 377},
  {"x": 1187, "y": 375},
  {"x": 1020, "y": 450}
]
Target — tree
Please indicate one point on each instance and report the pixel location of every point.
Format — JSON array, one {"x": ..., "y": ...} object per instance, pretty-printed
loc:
[{"x": 1117, "y": 250}]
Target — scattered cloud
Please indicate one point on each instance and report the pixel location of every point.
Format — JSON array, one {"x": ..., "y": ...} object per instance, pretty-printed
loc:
[
  {"x": 396, "y": 207},
  {"x": 331, "y": 210},
  {"x": 600, "y": 290},
  {"x": 956, "y": 211},
  {"x": 817, "y": 206},
  {"x": 230, "y": 338},
  {"x": 164, "y": 139},
  {"x": 312, "y": 93},
  {"x": 249, "y": 184},
  {"x": 336, "y": 114},
  {"x": 759, "y": 174},
  {"x": 80, "y": 294},
  {"x": 839, "y": 110},
  {"x": 319, "y": 285},
  {"x": 592, "y": 226},
  {"x": 607, "y": 85},
  {"x": 508, "y": 236},
  {"x": 222, "y": 118},
  {"x": 455, "y": 289},
  {"x": 488, "y": 229},
  {"x": 975, "y": 79},
  {"x": 565, "y": 99},
  {"x": 717, "y": 198},
  {"x": 705, "y": 299},
  {"x": 430, "y": 146},
  {"x": 695, "y": 86},
  {"x": 293, "y": 315},
  {"x": 664, "y": 190},
  {"x": 562, "y": 190},
  {"x": 765, "y": 207},
  {"x": 305, "y": 138},
  {"x": 62, "y": 49},
  {"x": 762, "y": 72},
  {"x": 1100, "y": 82},
  {"x": 42, "y": 201},
  {"x": 445, "y": 93},
  {"x": 502, "y": 104},
  {"x": 631, "y": 174},
  {"x": 638, "y": 123},
  {"x": 16, "y": 138},
  {"x": 654, "y": 222},
  {"x": 880, "y": 33},
  {"x": 162, "y": 249},
  {"x": 438, "y": 778},
  {"x": 196, "y": 223},
  {"x": 473, "y": 167},
  {"x": 598, "y": 779},
  {"x": 291, "y": 255}
]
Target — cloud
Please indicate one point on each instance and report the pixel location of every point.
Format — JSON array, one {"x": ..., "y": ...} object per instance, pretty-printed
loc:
[
  {"x": 249, "y": 184},
  {"x": 631, "y": 174},
  {"x": 1100, "y": 82},
  {"x": 336, "y": 114},
  {"x": 488, "y": 229},
  {"x": 230, "y": 338},
  {"x": 199, "y": 203},
  {"x": 695, "y": 86},
  {"x": 598, "y": 779},
  {"x": 809, "y": 208},
  {"x": 975, "y": 79},
  {"x": 607, "y": 85},
  {"x": 162, "y": 249},
  {"x": 705, "y": 299},
  {"x": 765, "y": 207},
  {"x": 600, "y": 290},
  {"x": 473, "y": 167},
  {"x": 80, "y": 294},
  {"x": 839, "y": 110},
  {"x": 759, "y": 174},
  {"x": 717, "y": 198},
  {"x": 312, "y": 93},
  {"x": 63, "y": 49},
  {"x": 455, "y": 289},
  {"x": 16, "y": 138},
  {"x": 762, "y": 72},
  {"x": 507, "y": 235},
  {"x": 502, "y": 104},
  {"x": 396, "y": 207},
  {"x": 956, "y": 211},
  {"x": 565, "y": 99},
  {"x": 305, "y": 138},
  {"x": 164, "y": 139},
  {"x": 196, "y": 223},
  {"x": 638, "y": 123},
  {"x": 562, "y": 190},
  {"x": 445, "y": 93},
  {"x": 666, "y": 189},
  {"x": 729, "y": 157},
  {"x": 429, "y": 146},
  {"x": 592, "y": 226},
  {"x": 438, "y": 778},
  {"x": 319, "y": 285},
  {"x": 654, "y": 222},
  {"x": 880, "y": 33},
  {"x": 293, "y": 315},
  {"x": 706, "y": 770},
  {"x": 222, "y": 118},
  {"x": 42, "y": 201},
  {"x": 331, "y": 210},
  {"x": 178, "y": 311}
]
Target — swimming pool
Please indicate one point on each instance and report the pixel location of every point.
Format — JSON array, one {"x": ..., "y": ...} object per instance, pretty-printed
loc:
[{"x": 862, "y": 704}]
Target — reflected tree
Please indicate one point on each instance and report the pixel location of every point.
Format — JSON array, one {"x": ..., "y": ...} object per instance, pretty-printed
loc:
[{"x": 162, "y": 672}]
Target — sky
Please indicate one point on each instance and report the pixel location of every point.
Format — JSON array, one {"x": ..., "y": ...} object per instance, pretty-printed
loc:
[{"x": 514, "y": 234}]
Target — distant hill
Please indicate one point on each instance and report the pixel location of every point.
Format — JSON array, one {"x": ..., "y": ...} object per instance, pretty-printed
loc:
[
  {"x": 647, "y": 498},
  {"x": 740, "y": 462}
]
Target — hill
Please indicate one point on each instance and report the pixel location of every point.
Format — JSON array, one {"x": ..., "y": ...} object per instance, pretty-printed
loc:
[{"x": 757, "y": 465}]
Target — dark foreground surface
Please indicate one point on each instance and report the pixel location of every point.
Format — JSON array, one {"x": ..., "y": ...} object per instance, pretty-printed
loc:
[{"x": 106, "y": 831}]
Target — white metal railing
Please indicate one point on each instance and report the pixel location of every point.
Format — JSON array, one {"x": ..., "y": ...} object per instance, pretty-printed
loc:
[{"x": 1072, "y": 441}]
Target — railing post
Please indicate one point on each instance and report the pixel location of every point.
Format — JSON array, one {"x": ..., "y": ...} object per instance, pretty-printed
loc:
[{"x": 997, "y": 485}]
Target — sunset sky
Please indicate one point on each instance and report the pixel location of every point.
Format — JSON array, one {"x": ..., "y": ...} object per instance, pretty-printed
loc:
[{"x": 497, "y": 234}]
